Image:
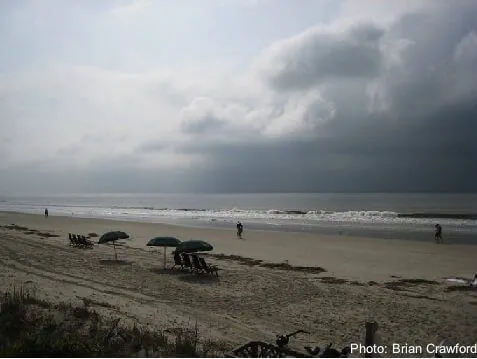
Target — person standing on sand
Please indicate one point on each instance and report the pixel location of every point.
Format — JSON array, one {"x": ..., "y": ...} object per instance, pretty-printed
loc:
[
  {"x": 239, "y": 229},
  {"x": 46, "y": 212},
  {"x": 438, "y": 233}
]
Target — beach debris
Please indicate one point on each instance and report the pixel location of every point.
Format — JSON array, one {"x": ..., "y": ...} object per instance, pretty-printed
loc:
[
  {"x": 283, "y": 340},
  {"x": 332, "y": 280},
  {"x": 330, "y": 352},
  {"x": 29, "y": 231},
  {"x": 47, "y": 235},
  {"x": 456, "y": 280},
  {"x": 259, "y": 349},
  {"x": 260, "y": 263},
  {"x": 472, "y": 282},
  {"x": 16, "y": 227},
  {"x": 404, "y": 283}
]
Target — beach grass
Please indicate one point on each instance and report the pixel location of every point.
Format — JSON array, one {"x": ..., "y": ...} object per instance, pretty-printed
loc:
[{"x": 30, "y": 326}]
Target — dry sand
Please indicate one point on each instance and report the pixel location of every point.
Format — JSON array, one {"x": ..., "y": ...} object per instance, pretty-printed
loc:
[{"x": 365, "y": 279}]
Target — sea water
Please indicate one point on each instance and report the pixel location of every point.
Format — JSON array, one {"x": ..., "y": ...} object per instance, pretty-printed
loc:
[{"x": 404, "y": 216}]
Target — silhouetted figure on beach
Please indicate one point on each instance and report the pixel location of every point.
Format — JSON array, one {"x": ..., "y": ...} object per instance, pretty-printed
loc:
[
  {"x": 473, "y": 282},
  {"x": 239, "y": 229},
  {"x": 438, "y": 233},
  {"x": 46, "y": 212}
]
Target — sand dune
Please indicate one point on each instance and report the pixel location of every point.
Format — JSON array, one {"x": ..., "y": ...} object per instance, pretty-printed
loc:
[{"x": 400, "y": 284}]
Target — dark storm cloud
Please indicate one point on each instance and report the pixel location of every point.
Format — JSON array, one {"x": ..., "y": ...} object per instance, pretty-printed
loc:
[
  {"x": 421, "y": 140},
  {"x": 316, "y": 55},
  {"x": 434, "y": 72},
  {"x": 433, "y": 155}
]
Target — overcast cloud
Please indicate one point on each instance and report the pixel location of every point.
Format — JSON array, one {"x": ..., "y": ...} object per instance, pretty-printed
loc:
[{"x": 238, "y": 96}]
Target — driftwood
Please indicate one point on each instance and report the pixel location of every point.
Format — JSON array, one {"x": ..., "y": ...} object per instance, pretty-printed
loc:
[{"x": 259, "y": 349}]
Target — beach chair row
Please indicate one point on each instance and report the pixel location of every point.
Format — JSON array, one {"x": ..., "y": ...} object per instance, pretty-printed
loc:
[
  {"x": 194, "y": 263},
  {"x": 80, "y": 241}
]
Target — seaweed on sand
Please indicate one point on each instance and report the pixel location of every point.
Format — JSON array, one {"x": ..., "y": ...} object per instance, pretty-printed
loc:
[
  {"x": 260, "y": 263},
  {"x": 401, "y": 284}
]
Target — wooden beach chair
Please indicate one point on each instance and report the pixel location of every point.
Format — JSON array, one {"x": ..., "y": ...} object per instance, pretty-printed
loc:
[
  {"x": 178, "y": 261},
  {"x": 186, "y": 261},
  {"x": 197, "y": 266},
  {"x": 209, "y": 268}
]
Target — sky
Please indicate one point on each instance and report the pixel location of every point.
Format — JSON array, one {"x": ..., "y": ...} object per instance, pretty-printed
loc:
[{"x": 238, "y": 96}]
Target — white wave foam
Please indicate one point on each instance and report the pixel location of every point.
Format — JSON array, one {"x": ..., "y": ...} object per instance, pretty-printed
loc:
[{"x": 311, "y": 217}]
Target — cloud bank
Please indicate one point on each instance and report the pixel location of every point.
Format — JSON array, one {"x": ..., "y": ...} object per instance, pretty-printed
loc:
[{"x": 361, "y": 102}]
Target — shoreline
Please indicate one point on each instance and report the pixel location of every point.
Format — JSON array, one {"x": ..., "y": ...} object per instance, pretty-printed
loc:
[{"x": 325, "y": 229}]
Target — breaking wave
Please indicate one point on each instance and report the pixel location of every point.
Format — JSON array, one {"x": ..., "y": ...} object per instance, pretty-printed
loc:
[{"x": 313, "y": 217}]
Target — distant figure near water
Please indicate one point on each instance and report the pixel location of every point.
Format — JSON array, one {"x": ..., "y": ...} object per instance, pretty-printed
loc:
[
  {"x": 438, "y": 233},
  {"x": 239, "y": 229},
  {"x": 46, "y": 212}
]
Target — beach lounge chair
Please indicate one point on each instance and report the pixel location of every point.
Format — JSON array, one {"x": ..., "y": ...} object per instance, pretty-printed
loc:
[
  {"x": 186, "y": 261},
  {"x": 79, "y": 242},
  {"x": 77, "y": 239},
  {"x": 74, "y": 240},
  {"x": 70, "y": 237},
  {"x": 209, "y": 268},
  {"x": 178, "y": 261},
  {"x": 197, "y": 265},
  {"x": 85, "y": 242}
]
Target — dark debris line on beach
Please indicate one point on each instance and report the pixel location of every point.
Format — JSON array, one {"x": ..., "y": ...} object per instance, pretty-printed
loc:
[
  {"x": 401, "y": 284},
  {"x": 29, "y": 231},
  {"x": 258, "y": 262}
]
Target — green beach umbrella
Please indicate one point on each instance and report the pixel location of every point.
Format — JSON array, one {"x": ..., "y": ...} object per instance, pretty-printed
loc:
[
  {"x": 164, "y": 242},
  {"x": 113, "y": 237},
  {"x": 194, "y": 246}
]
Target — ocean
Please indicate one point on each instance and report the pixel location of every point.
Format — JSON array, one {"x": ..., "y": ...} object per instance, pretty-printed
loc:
[{"x": 403, "y": 216}]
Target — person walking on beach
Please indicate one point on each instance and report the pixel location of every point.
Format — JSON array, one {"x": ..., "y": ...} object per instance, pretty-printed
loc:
[
  {"x": 438, "y": 233},
  {"x": 46, "y": 212},
  {"x": 239, "y": 229}
]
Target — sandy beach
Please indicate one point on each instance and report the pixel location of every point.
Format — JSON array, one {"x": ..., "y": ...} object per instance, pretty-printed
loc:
[{"x": 400, "y": 284}]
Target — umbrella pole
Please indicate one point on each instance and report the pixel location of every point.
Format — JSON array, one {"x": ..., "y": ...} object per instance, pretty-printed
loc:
[
  {"x": 165, "y": 248},
  {"x": 115, "y": 255}
]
